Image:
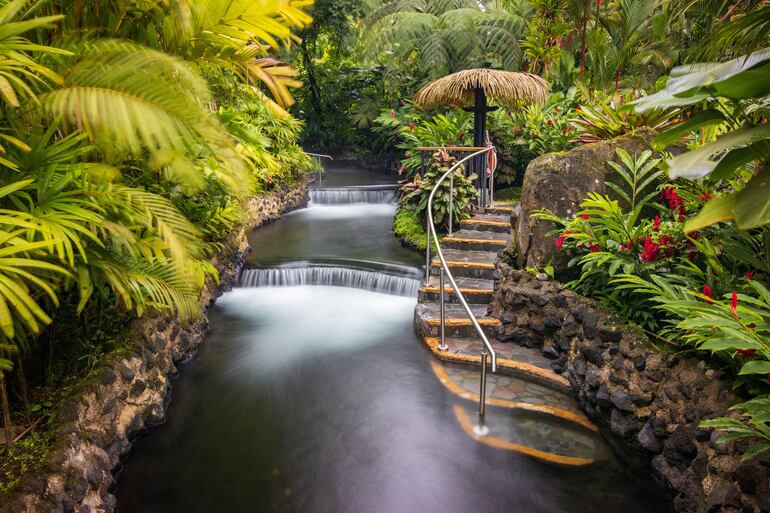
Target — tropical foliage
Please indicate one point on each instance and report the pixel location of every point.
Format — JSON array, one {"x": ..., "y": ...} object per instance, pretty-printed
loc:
[{"x": 130, "y": 136}]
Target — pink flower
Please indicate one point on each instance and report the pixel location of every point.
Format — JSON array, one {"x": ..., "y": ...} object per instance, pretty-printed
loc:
[
  {"x": 393, "y": 113},
  {"x": 710, "y": 295},
  {"x": 749, "y": 275},
  {"x": 515, "y": 130},
  {"x": 411, "y": 126},
  {"x": 734, "y": 304}
]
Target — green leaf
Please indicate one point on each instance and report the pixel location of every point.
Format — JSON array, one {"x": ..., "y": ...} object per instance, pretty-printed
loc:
[
  {"x": 755, "y": 367},
  {"x": 752, "y": 203},
  {"x": 755, "y": 450},
  {"x": 715, "y": 211},
  {"x": 700, "y": 120}
]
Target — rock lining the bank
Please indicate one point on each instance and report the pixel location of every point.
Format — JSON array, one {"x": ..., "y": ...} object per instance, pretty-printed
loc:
[
  {"x": 651, "y": 399},
  {"x": 129, "y": 392}
]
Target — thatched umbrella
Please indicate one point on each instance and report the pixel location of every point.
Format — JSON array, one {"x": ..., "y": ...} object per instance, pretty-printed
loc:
[{"x": 471, "y": 88}]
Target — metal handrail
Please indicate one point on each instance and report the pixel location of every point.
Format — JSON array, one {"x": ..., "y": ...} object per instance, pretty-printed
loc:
[{"x": 488, "y": 351}]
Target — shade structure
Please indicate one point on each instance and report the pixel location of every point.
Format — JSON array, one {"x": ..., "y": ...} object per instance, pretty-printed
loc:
[
  {"x": 470, "y": 89},
  {"x": 459, "y": 90}
]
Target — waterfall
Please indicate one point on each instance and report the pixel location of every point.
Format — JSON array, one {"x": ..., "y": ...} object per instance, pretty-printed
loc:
[
  {"x": 344, "y": 195},
  {"x": 330, "y": 276}
]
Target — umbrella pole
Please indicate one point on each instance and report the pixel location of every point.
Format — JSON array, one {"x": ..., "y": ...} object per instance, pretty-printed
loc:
[{"x": 479, "y": 140}]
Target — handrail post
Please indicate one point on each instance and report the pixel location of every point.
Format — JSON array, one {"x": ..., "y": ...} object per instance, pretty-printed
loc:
[
  {"x": 427, "y": 255},
  {"x": 442, "y": 338},
  {"x": 451, "y": 201},
  {"x": 483, "y": 385}
]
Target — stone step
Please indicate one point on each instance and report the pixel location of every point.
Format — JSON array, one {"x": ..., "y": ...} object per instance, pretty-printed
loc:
[
  {"x": 523, "y": 362},
  {"x": 488, "y": 223},
  {"x": 500, "y": 209},
  {"x": 427, "y": 319},
  {"x": 476, "y": 240},
  {"x": 468, "y": 264},
  {"x": 475, "y": 291},
  {"x": 505, "y": 391},
  {"x": 530, "y": 434}
]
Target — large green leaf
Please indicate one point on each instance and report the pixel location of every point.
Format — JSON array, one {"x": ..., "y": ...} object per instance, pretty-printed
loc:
[
  {"x": 752, "y": 203},
  {"x": 699, "y": 163},
  {"x": 715, "y": 211},
  {"x": 702, "y": 119},
  {"x": 755, "y": 367}
]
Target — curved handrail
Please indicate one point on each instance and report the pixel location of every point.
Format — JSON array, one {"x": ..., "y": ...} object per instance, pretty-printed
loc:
[{"x": 445, "y": 267}]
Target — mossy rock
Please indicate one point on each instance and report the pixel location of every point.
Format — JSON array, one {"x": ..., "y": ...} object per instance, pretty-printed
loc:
[{"x": 560, "y": 182}]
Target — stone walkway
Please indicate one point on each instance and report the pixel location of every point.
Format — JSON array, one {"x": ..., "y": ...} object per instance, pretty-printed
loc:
[{"x": 529, "y": 407}]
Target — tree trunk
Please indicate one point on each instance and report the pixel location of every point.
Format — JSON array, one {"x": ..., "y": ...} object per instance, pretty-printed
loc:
[
  {"x": 315, "y": 92},
  {"x": 5, "y": 405}
]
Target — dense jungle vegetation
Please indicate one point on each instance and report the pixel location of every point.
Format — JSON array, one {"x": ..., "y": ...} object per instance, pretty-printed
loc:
[{"x": 132, "y": 133}]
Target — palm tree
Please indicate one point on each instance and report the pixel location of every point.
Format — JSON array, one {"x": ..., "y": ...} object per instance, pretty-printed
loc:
[{"x": 438, "y": 37}]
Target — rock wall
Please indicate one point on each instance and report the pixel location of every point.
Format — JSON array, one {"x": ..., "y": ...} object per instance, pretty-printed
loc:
[
  {"x": 650, "y": 398},
  {"x": 129, "y": 392},
  {"x": 559, "y": 182}
]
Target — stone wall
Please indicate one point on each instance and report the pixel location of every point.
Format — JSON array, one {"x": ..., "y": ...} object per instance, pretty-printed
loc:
[
  {"x": 649, "y": 397},
  {"x": 129, "y": 392}
]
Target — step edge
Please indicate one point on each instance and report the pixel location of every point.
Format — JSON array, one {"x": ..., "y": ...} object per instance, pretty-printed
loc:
[
  {"x": 543, "y": 408},
  {"x": 467, "y": 426},
  {"x": 526, "y": 369}
]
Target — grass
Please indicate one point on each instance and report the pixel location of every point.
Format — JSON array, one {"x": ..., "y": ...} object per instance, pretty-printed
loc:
[{"x": 408, "y": 228}]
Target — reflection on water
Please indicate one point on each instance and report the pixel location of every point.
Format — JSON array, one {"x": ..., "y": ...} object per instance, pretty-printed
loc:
[{"x": 321, "y": 400}]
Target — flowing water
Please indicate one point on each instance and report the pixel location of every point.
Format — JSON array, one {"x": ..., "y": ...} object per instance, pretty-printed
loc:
[{"x": 311, "y": 398}]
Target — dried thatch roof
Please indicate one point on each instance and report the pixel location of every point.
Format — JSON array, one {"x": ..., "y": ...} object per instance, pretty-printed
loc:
[{"x": 504, "y": 87}]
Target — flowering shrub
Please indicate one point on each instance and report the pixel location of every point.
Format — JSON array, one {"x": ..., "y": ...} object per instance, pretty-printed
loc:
[
  {"x": 409, "y": 129},
  {"x": 699, "y": 291},
  {"x": 540, "y": 129}
]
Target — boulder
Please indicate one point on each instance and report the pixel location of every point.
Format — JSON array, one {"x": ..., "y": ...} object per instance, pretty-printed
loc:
[{"x": 559, "y": 182}]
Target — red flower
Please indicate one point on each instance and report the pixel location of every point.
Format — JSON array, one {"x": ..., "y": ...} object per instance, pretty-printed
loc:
[
  {"x": 734, "y": 304},
  {"x": 650, "y": 250},
  {"x": 411, "y": 126},
  {"x": 746, "y": 353},
  {"x": 749, "y": 275},
  {"x": 768, "y": 378},
  {"x": 578, "y": 108},
  {"x": 461, "y": 136},
  {"x": 560, "y": 241},
  {"x": 710, "y": 295},
  {"x": 595, "y": 248},
  {"x": 515, "y": 130},
  {"x": 586, "y": 217},
  {"x": 656, "y": 224},
  {"x": 704, "y": 197},
  {"x": 675, "y": 201},
  {"x": 550, "y": 122},
  {"x": 393, "y": 113}
]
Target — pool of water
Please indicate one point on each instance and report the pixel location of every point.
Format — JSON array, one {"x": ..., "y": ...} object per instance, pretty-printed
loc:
[{"x": 321, "y": 399}]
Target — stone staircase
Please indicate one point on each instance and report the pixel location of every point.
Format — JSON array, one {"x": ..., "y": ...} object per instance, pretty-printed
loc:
[
  {"x": 530, "y": 410},
  {"x": 471, "y": 253}
]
